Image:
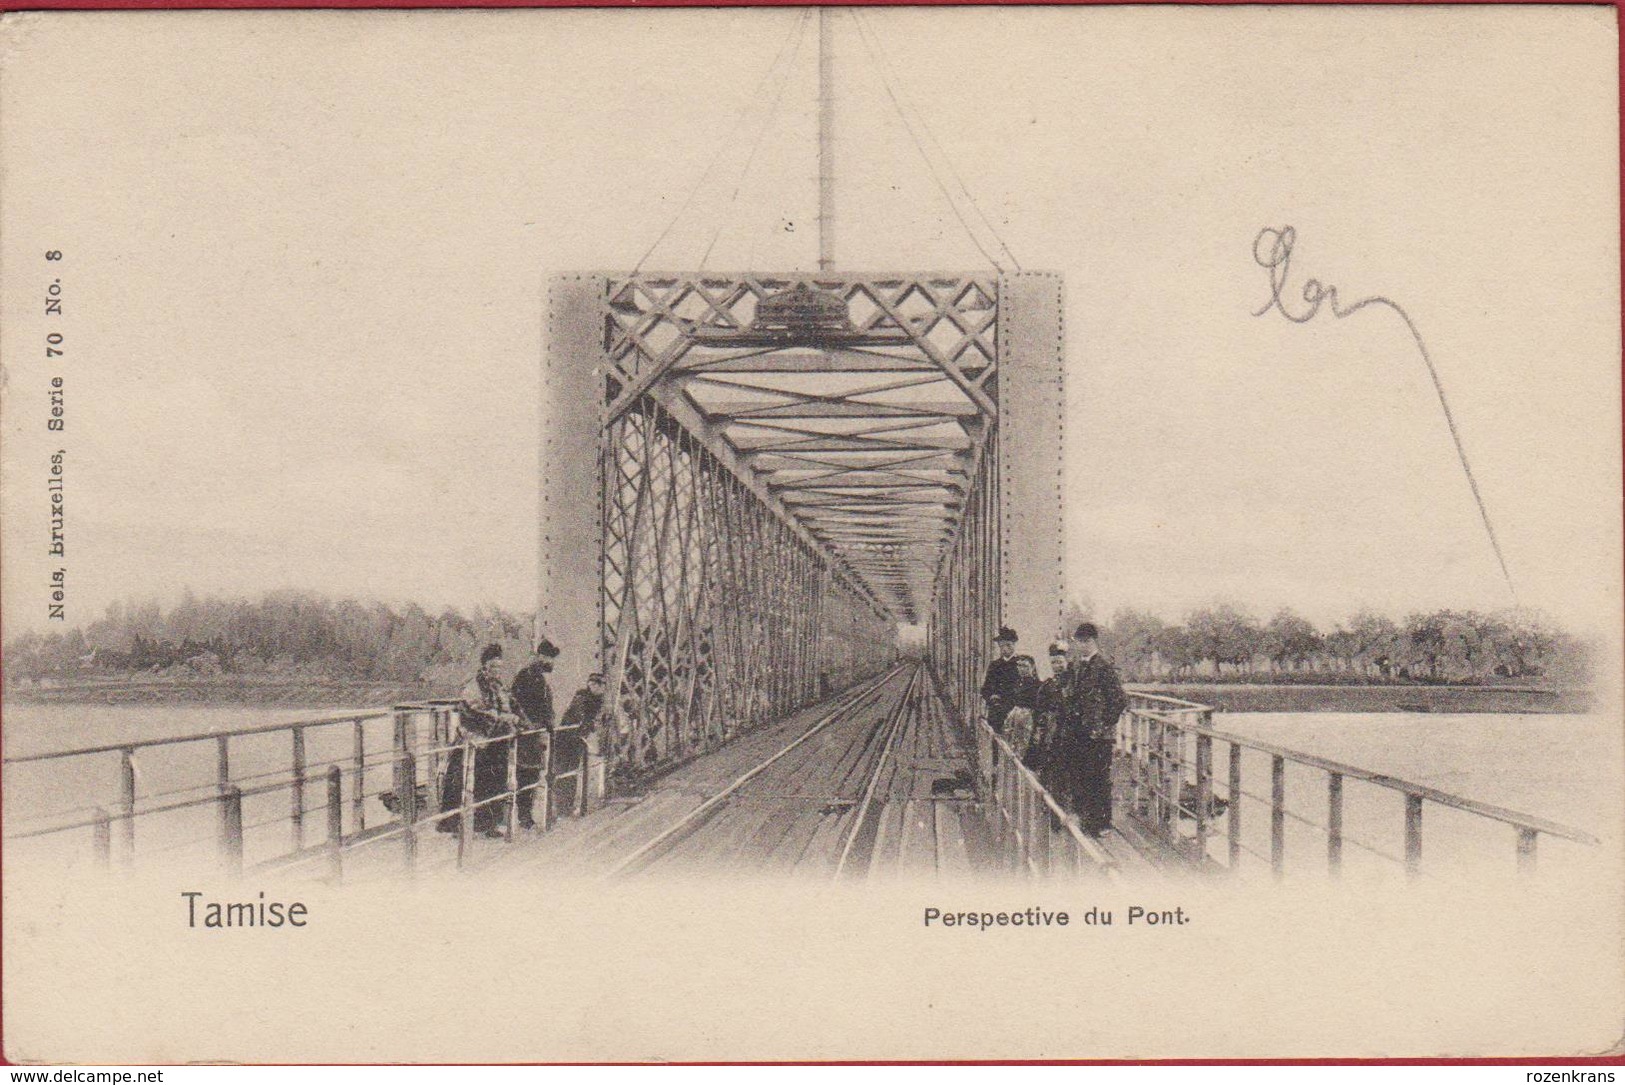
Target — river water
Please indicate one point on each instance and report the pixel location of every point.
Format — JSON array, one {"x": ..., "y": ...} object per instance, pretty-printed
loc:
[{"x": 1566, "y": 768}]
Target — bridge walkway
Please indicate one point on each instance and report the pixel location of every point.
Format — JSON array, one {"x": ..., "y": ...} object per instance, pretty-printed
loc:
[{"x": 875, "y": 783}]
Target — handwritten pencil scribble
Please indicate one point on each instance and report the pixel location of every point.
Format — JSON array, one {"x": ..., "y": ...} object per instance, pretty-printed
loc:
[{"x": 1272, "y": 250}]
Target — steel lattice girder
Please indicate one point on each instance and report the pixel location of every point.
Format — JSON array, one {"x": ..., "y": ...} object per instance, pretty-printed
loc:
[
  {"x": 717, "y": 616},
  {"x": 885, "y": 421}
]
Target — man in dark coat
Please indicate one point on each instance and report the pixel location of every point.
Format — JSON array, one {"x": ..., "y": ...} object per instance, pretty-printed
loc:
[
  {"x": 1093, "y": 699},
  {"x": 1002, "y": 679},
  {"x": 535, "y": 700},
  {"x": 486, "y": 712}
]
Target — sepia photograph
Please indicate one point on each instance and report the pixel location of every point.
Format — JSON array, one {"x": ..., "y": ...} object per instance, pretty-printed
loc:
[{"x": 811, "y": 533}]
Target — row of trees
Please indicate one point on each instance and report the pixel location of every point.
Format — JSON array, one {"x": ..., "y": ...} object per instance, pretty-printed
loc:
[
  {"x": 1436, "y": 646},
  {"x": 284, "y": 634},
  {"x": 301, "y": 635}
]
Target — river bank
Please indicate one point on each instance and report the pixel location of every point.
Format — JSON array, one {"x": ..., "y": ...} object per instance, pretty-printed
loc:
[
  {"x": 226, "y": 691},
  {"x": 1240, "y": 697}
]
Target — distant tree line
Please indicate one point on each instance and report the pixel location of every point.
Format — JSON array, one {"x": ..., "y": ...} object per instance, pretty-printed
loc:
[
  {"x": 285, "y": 634},
  {"x": 300, "y": 635},
  {"x": 1225, "y": 642}
]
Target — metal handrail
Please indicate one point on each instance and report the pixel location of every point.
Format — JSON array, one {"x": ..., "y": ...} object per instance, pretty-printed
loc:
[
  {"x": 200, "y": 736},
  {"x": 1025, "y": 808},
  {"x": 1395, "y": 783},
  {"x": 228, "y": 792},
  {"x": 1152, "y": 733}
]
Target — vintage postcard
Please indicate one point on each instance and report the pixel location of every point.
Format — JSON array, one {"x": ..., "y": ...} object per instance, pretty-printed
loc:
[{"x": 811, "y": 534}]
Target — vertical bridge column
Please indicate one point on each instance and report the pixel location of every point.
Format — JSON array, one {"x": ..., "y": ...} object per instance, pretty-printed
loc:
[
  {"x": 1032, "y": 408},
  {"x": 572, "y": 396}
]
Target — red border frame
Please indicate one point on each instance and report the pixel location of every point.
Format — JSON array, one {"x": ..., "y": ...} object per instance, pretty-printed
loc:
[{"x": 1616, "y": 1058}]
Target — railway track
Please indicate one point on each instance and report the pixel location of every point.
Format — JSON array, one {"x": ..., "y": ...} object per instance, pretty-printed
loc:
[{"x": 816, "y": 806}]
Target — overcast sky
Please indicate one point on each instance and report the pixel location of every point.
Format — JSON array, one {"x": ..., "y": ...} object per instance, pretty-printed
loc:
[{"x": 305, "y": 256}]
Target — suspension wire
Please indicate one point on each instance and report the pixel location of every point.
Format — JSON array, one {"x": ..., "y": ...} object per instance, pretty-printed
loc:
[
  {"x": 876, "y": 48},
  {"x": 722, "y": 147},
  {"x": 942, "y": 152},
  {"x": 761, "y": 134}
]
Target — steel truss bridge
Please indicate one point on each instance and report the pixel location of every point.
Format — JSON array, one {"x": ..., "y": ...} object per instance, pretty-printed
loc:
[{"x": 751, "y": 481}]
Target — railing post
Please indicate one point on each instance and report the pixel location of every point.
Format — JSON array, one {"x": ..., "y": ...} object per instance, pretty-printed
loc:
[
  {"x": 465, "y": 802},
  {"x": 102, "y": 836},
  {"x": 1413, "y": 834},
  {"x": 335, "y": 823},
  {"x": 232, "y": 852},
  {"x": 406, "y": 801},
  {"x": 401, "y": 714},
  {"x": 1233, "y": 812},
  {"x": 1153, "y": 771},
  {"x": 1334, "y": 823},
  {"x": 1027, "y": 841},
  {"x": 542, "y": 793},
  {"x": 1134, "y": 760},
  {"x": 1526, "y": 850},
  {"x": 512, "y": 827},
  {"x": 996, "y": 799},
  {"x": 223, "y": 762},
  {"x": 297, "y": 801},
  {"x": 127, "y": 802},
  {"x": 358, "y": 801},
  {"x": 439, "y": 736},
  {"x": 1204, "y": 793},
  {"x": 1277, "y": 814},
  {"x": 1041, "y": 827},
  {"x": 1012, "y": 814},
  {"x": 1173, "y": 771}
]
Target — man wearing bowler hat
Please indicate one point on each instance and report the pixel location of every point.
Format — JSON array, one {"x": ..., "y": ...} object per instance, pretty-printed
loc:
[
  {"x": 1002, "y": 679},
  {"x": 535, "y": 700},
  {"x": 1093, "y": 699}
]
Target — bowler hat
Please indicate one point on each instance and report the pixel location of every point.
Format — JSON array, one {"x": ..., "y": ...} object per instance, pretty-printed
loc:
[
  {"x": 547, "y": 649},
  {"x": 1086, "y": 631}
]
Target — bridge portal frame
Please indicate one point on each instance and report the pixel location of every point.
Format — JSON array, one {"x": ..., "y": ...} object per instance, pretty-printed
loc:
[{"x": 711, "y": 606}]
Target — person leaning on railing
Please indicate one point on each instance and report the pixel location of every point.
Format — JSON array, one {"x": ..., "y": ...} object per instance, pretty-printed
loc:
[{"x": 486, "y": 712}]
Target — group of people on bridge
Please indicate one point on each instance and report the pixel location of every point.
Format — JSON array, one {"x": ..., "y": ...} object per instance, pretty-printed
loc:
[
  {"x": 521, "y": 713},
  {"x": 1063, "y": 727}
]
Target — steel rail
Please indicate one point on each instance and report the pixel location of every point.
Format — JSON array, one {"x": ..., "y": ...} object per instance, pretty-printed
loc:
[{"x": 893, "y": 727}]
